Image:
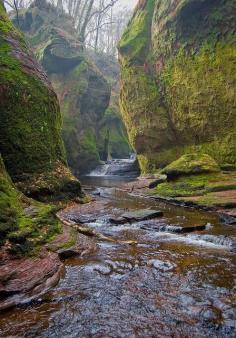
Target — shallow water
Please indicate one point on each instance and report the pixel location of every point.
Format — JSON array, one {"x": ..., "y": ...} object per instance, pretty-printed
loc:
[{"x": 167, "y": 285}]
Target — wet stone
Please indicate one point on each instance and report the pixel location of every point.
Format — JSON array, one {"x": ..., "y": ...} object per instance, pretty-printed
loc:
[
  {"x": 228, "y": 219},
  {"x": 161, "y": 265},
  {"x": 69, "y": 252},
  {"x": 136, "y": 216},
  {"x": 103, "y": 269},
  {"x": 82, "y": 219},
  {"x": 211, "y": 314},
  {"x": 158, "y": 180},
  {"x": 160, "y": 227}
]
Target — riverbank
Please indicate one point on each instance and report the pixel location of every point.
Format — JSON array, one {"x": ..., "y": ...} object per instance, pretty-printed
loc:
[
  {"x": 151, "y": 260},
  {"x": 24, "y": 278},
  {"x": 222, "y": 201}
]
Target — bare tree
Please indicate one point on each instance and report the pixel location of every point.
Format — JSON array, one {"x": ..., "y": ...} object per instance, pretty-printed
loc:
[
  {"x": 96, "y": 22},
  {"x": 87, "y": 14},
  {"x": 104, "y": 33},
  {"x": 15, "y": 5}
]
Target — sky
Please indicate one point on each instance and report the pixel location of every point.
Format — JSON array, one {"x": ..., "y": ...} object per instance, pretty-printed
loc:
[{"x": 127, "y": 3}]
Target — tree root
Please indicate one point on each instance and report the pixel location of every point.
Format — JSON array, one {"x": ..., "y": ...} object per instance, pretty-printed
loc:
[{"x": 92, "y": 233}]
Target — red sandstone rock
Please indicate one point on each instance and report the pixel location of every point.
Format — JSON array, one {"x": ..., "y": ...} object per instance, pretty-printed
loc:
[{"x": 22, "y": 279}]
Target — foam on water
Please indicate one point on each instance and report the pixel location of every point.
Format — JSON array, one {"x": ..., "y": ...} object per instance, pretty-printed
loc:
[{"x": 220, "y": 242}]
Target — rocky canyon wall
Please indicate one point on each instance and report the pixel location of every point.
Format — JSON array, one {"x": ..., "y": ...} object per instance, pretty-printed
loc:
[{"x": 178, "y": 80}]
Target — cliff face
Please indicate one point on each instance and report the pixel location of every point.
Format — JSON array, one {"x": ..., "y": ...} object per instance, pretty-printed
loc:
[
  {"x": 10, "y": 205},
  {"x": 24, "y": 223},
  {"x": 178, "y": 80},
  {"x": 82, "y": 90},
  {"x": 30, "y": 121},
  {"x": 112, "y": 136}
]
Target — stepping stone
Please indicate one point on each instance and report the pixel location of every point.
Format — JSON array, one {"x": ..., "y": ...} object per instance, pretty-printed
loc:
[
  {"x": 172, "y": 228},
  {"x": 161, "y": 265},
  {"x": 69, "y": 252},
  {"x": 136, "y": 216}
]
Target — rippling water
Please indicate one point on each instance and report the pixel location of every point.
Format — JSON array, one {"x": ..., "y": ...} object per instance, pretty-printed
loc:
[{"x": 168, "y": 285}]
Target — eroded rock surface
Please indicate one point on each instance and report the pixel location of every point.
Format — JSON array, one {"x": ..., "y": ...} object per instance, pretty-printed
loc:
[
  {"x": 91, "y": 130},
  {"x": 177, "y": 58},
  {"x": 30, "y": 121},
  {"x": 24, "y": 279},
  {"x": 136, "y": 216}
]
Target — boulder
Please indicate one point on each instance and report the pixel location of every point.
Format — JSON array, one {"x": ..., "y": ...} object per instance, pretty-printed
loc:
[
  {"x": 191, "y": 164},
  {"x": 136, "y": 216},
  {"x": 30, "y": 121}
]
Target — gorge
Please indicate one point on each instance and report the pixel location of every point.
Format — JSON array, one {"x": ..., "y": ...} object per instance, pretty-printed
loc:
[{"x": 118, "y": 181}]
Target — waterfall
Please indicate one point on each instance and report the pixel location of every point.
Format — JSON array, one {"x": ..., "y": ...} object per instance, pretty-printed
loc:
[{"x": 117, "y": 167}]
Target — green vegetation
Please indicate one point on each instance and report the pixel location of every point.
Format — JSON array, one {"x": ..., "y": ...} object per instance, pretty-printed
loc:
[
  {"x": 206, "y": 108},
  {"x": 31, "y": 148},
  {"x": 134, "y": 43},
  {"x": 82, "y": 90},
  {"x": 178, "y": 93},
  {"x": 30, "y": 119},
  {"x": 191, "y": 164},
  {"x": 112, "y": 138},
  {"x": 196, "y": 185},
  {"x": 10, "y": 206},
  {"x": 26, "y": 98},
  {"x": 26, "y": 224}
]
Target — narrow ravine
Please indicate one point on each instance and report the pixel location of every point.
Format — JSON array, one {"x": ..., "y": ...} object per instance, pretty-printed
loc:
[
  {"x": 169, "y": 282},
  {"x": 117, "y": 169}
]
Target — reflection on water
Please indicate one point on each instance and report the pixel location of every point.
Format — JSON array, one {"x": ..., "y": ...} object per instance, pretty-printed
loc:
[
  {"x": 104, "y": 181},
  {"x": 168, "y": 285}
]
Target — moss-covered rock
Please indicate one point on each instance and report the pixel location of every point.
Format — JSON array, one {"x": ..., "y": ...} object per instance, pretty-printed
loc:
[
  {"x": 197, "y": 185},
  {"x": 191, "y": 164},
  {"x": 10, "y": 206},
  {"x": 84, "y": 96},
  {"x": 82, "y": 90},
  {"x": 112, "y": 136},
  {"x": 26, "y": 224},
  {"x": 30, "y": 120},
  {"x": 178, "y": 80}
]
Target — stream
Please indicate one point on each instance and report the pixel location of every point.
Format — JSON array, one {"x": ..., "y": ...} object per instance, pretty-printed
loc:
[{"x": 169, "y": 284}]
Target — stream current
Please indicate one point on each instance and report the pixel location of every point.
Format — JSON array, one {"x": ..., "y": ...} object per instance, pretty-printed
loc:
[{"x": 169, "y": 284}]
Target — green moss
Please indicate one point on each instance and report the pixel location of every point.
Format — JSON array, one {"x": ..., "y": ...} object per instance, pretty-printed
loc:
[
  {"x": 134, "y": 43},
  {"x": 112, "y": 137},
  {"x": 196, "y": 185},
  {"x": 88, "y": 151},
  {"x": 56, "y": 184},
  {"x": 34, "y": 230},
  {"x": 67, "y": 244},
  {"x": 10, "y": 206},
  {"x": 145, "y": 117},
  {"x": 207, "y": 110},
  {"x": 5, "y": 25},
  {"x": 30, "y": 120},
  {"x": 191, "y": 164},
  {"x": 81, "y": 114},
  {"x": 32, "y": 108},
  {"x": 26, "y": 224},
  {"x": 224, "y": 199},
  {"x": 188, "y": 71}
]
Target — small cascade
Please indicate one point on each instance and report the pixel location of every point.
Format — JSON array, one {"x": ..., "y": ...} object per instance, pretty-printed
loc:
[
  {"x": 100, "y": 170},
  {"x": 219, "y": 240},
  {"x": 117, "y": 167},
  {"x": 207, "y": 240}
]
